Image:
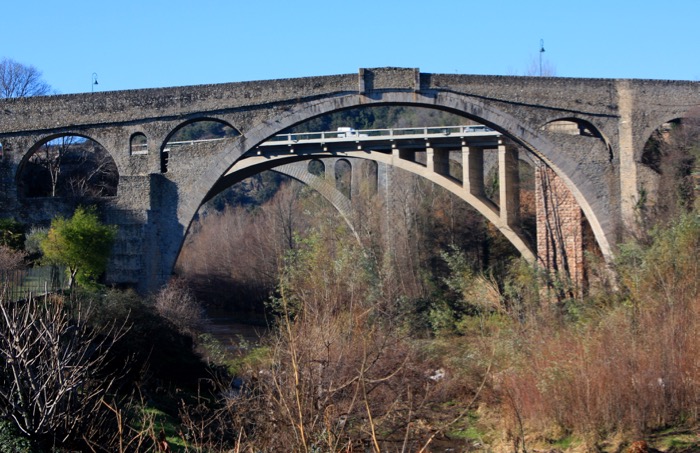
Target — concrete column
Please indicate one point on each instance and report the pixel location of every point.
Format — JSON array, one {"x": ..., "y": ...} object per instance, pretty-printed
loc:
[
  {"x": 355, "y": 177},
  {"x": 509, "y": 184},
  {"x": 329, "y": 169},
  {"x": 473, "y": 170},
  {"x": 438, "y": 161},
  {"x": 404, "y": 154}
]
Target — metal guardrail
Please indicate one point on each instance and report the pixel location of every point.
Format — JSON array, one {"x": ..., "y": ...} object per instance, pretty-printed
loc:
[
  {"x": 19, "y": 284},
  {"x": 345, "y": 134},
  {"x": 191, "y": 142},
  {"x": 348, "y": 134}
]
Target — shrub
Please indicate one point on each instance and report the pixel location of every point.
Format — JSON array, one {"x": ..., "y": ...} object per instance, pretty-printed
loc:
[
  {"x": 176, "y": 303},
  {"x": 11, "y": 233},
  {"x": 81, "y": 243},
  {"x": 628, "y": 367},
  {"x": 11, "y": 259},
  {"x": 54, "y": 367},
  {"x": 11, "y": 441}
]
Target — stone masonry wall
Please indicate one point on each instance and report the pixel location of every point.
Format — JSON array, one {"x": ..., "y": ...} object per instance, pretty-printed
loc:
[{"x": 559, "y": 228}]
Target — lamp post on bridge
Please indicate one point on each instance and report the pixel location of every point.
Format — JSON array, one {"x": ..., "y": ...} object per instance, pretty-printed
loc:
[
  {"x": 94, "y": 82},
  {"x": 541, "y": 52}
]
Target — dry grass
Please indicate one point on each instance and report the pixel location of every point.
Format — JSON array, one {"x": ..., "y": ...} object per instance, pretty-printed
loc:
[{"x": 631, "y": 367}]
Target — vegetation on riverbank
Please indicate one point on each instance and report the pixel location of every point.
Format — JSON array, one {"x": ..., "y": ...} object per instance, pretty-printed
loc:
[{"x": 419, "y": 331}]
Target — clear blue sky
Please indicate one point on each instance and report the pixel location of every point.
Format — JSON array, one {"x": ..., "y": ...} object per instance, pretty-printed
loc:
[{"x": 157, "y": 43}]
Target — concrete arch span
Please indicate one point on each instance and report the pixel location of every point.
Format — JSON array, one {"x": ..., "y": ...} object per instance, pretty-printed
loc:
[
  {"x": 253, "y": 165},
  {"x": 526, "y": 135}
]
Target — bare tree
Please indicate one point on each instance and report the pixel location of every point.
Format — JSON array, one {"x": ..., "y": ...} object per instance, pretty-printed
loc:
[
  {"x": 71, "y": 166},
  {"x": 54, "y": 367},
  {"x": 18, "y": 80},
  {"x": 176, "y": 303},
  {"x": 11, "y": 259}
]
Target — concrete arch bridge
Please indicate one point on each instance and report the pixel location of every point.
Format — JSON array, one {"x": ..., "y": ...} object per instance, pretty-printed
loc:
[{"x": 587, "y": 135}]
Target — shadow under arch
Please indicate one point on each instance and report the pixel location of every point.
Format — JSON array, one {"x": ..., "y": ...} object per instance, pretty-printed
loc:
[
  {"x": 69, "y": 155},
  {"x": 596, "y": 211}
]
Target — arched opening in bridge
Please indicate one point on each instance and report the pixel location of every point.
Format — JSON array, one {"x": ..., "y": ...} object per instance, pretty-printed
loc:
[
  {"x": 317, "y": 168},
  {"x": 668, "y": 174},
  {"x": 369, "y": 176},
  {"x": 68, "y": 166},
  {"x": 234, "y": 247},
  {"x": 421, "y": 216},
  {"x": 138, "y": 144},
  {"x": 194, "y": 135},
  {"x": 343, "y": 177}
]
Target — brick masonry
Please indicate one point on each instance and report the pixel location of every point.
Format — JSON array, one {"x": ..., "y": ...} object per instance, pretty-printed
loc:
[{"x": 559, "y": 228}]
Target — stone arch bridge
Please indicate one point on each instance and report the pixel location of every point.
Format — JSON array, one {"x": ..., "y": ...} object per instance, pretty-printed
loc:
[{"x": 587, "y": 135}]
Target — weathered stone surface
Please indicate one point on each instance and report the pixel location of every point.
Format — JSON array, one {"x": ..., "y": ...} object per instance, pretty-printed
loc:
[{"x": 601, "y": 172}]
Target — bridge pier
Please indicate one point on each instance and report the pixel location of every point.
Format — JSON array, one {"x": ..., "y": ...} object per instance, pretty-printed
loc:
[
  {"x": 148, "y": 234},
  {"x": 473, "y": 170},
  {"x": 509, "y": 184},
  {"x": 438, "y": 160},
  {"x": 559, "y": 228}
]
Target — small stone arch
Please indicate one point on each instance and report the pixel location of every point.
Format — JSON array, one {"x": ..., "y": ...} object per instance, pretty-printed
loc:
[
  {"x": 651, "y": 152},
  {"x": 67, "y": 166},
  {"x": 665, "y": 168},
  {"x": 201, "y": 128},
  {"x": 369, "y": 170},
  {"x": 138, "y": 144},
  {"x": 317, "y": 168}
]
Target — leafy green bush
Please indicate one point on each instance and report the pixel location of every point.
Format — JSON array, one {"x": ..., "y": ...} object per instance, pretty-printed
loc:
[
  {"x": 11, "y": 233},
  {"x": 11, "y": 441},
  {"x": 81, "y": 243}
]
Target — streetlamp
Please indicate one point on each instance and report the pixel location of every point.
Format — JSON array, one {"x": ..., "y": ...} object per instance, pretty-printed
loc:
[
  {"x": 541, "y": 52},
  {"x": 94, "y": 81}
]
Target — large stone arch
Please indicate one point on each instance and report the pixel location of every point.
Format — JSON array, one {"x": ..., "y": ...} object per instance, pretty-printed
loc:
[
  {"x": 520, "y": 132},
  {"x": 42, "y": 140}
]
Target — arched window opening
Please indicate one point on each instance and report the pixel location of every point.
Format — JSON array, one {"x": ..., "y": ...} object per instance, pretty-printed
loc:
[
  {"x": 164, "y": 157},
  {"x": 343, "y": 177},
  {"x": 69, "y": 166},
  {"x": 138, "y": 144},
  {"x": 316, "y": 167},
  {"x": 2, "y": 151}
]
